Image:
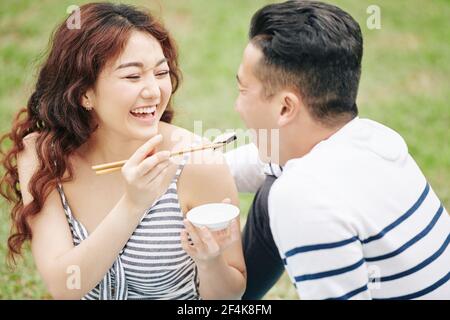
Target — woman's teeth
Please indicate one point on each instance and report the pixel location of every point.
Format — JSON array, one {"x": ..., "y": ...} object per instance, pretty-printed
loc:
[{"x": 143, "y": 112}]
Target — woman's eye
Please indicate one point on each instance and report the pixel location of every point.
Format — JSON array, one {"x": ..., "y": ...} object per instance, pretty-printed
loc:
[
  {"x": 133, "y": 77},
  {"x": 162, "y": 73}
]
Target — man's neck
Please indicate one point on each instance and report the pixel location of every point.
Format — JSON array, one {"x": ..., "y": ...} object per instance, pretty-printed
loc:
[{"x": 298, "y": 142}]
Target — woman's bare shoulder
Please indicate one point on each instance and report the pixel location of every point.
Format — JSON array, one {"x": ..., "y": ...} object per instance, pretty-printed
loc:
[
  {"x": 29, "y": 151},
  {"x": 206, "y": 178},
  {"x": 27, "y": 164},
  {"x": 31, "y": 138},
  {"x": 178, "y": 138}
]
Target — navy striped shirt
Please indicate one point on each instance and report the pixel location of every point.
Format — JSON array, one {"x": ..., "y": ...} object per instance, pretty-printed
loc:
[{"x": 356, "y": 219}]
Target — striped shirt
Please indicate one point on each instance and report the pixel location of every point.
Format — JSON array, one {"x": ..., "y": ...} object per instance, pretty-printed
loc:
[
  {"x": 356, "y": 218},
  {"x": 153, "y": 264}
]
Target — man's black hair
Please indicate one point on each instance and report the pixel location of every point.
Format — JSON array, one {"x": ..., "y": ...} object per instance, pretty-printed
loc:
[{"x": 314, "y": 48}]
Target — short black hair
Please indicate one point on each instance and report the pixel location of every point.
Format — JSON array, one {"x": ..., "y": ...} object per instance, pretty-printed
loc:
[{"x": 314, "y": 48}]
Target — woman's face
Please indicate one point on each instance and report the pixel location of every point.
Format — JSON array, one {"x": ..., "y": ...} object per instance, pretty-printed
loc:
[{"x": 133, "y": 91}]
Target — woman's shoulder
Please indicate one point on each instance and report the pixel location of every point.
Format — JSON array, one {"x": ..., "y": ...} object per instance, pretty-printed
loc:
[
  {"x": 30, "y": 138},
  {"x": 177, "y": 138},
  {"x": 206, "y": 176},
  {"x": 29, "y": 147},
  {"x": 27, "y": 164}
]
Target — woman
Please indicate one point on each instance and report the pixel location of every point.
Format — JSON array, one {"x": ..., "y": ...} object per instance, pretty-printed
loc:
[{"x": 103, "y": 95}]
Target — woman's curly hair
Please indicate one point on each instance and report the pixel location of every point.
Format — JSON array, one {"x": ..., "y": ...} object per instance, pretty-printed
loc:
[{"x": 54, "y": 109}]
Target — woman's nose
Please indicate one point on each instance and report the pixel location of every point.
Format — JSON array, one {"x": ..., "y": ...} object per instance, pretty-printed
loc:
[{"x": 151, "y": 90}]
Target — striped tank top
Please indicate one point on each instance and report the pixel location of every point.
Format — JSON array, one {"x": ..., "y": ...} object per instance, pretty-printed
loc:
[{"x": 153, "y": 264}]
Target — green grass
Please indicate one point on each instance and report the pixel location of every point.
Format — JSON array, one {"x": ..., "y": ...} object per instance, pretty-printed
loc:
[{"x": 404, "y": 83}]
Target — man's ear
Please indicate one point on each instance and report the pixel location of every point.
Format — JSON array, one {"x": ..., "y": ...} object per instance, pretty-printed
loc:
[{"x": 290, "y": 107}]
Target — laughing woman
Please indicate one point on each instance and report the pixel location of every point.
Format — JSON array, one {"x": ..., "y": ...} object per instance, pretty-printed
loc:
[{"x": 102, "y": 95}]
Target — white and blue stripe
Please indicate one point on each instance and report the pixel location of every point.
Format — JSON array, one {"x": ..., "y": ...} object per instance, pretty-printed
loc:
[
  {"x": 432, "y": 258},
  {"x": 360, "y": 226}
]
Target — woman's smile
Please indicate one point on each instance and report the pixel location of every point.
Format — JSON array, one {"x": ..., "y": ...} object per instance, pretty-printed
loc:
[{"x": 145, "y": 115}]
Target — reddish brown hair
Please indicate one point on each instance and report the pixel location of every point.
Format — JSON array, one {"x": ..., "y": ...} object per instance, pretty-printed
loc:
[{"x": 54, "y": 109}]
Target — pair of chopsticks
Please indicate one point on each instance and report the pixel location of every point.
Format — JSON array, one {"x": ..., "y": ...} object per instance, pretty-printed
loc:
[{"x": 115, "y": 166}]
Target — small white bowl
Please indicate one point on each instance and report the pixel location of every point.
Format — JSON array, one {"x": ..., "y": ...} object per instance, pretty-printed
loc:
[{"x": 214, "y": 216}]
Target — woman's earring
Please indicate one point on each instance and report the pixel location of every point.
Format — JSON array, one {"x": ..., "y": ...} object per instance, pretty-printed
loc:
[{"x": 88, "y": 107}]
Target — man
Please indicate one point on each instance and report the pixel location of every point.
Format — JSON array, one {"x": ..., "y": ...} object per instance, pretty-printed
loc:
[{"x": 352, "y": 216}]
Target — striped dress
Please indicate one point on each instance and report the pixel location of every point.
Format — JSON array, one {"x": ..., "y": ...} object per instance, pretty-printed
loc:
[{"x": 153, "y": 264}]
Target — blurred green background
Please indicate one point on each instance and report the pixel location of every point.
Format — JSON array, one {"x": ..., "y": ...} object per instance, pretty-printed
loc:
[{"x": 405, "y": 82}]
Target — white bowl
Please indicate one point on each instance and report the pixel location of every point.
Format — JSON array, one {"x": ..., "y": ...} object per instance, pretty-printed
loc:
[{"x": 214, "y": 216}]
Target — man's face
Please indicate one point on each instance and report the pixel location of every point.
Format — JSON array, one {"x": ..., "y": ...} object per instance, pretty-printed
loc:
[{"x": 256, "y": 111}]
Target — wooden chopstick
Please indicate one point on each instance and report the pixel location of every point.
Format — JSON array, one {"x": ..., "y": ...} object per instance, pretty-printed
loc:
[
  {"x": 105, "y": 171},
  {"x": 114, "y": 166},
  {"x": 208, "y": 146},
  {"x": 109, "y": 165}
]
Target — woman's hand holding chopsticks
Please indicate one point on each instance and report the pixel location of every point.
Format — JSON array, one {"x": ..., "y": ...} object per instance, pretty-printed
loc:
[{"x": 144, "y": 174}]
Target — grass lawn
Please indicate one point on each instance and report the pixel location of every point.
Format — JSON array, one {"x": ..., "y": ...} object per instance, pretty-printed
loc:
[{"x": 405, "y": 71}]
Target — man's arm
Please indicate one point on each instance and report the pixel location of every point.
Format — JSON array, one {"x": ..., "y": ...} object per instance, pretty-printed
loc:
[{"x": 246, "y": 167}]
